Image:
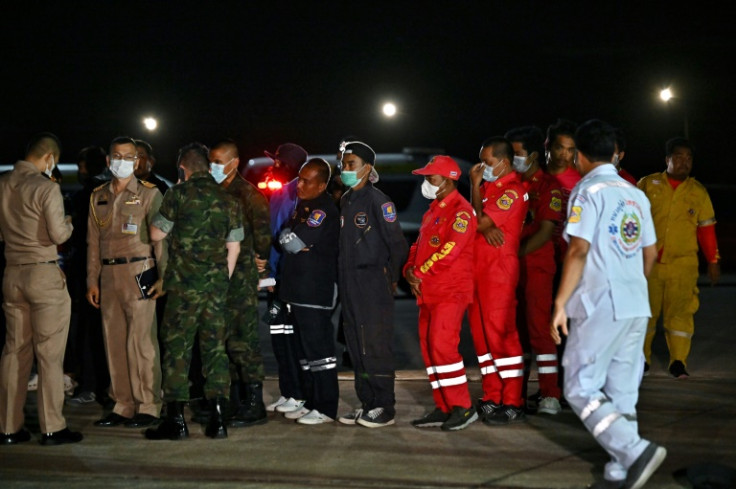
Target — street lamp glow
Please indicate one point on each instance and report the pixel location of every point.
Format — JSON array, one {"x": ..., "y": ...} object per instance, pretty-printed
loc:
[
  {"x": 150, "y": 123},
  {"x": 666, "y": 94},
  {"x": 389, "y": 109}
]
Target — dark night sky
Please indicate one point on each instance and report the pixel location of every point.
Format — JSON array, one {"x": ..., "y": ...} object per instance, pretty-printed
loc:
[{"x": 311, "y": 73}]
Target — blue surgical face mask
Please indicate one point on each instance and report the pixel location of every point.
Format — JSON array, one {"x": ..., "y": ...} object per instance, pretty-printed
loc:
[
  {"x": 488, "y": 175},
  {"x": 521, "y": 164},
  {"x": 218, "y": 171}
]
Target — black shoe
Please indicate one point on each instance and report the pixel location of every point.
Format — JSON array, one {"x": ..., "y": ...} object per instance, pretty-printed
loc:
[
  {"x": 677, "y": 370},
  {"x": 252, "y": 412},
  {"x": 644, "y": 466},
  {"x": 61, "y": 437},
  {"x": 460, "y": 418},
  {"x": 505, "y": 415},
  {"x": 435, "y": 419},
  {"x": 112, "y": 419},
  {"x": 12, "y": 438},
  {"x": 216, "y": 425},
  {"x": 173, "y": 427},
  {"x": 141, "y": 420},
  {"x": 486, "y": 408}
]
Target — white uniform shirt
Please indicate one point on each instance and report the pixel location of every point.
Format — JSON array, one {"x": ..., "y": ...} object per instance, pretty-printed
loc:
[{"x": 614, "y": 217}]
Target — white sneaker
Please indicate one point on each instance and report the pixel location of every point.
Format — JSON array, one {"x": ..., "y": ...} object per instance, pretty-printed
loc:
[
  {"x": 297, "y": 413},
  {"x": 549, "y": 405},
  {"x": 351, "y": 417},
  {"x": 290, "y": 405},
  {"x": 272, "y": 407},
  {"x": 314, "y": 417},
  {"x": 33, "y": 382}
]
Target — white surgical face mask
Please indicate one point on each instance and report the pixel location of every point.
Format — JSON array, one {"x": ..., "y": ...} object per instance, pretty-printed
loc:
[
  {"x": 429, "y": 191},
  {"x": 521, "y": 164},
  {"x": 121, "y": 168},
  {"x": 50, "y": 169}
]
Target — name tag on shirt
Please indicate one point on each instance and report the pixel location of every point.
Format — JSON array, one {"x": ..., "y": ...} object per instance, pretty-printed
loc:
[{"x": 130, "y": 228}]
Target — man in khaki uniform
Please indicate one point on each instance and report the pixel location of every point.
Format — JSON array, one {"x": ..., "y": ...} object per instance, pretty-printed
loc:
[
  {"x": 119, "y": 248},
  {"x": 36, "y": 302}
]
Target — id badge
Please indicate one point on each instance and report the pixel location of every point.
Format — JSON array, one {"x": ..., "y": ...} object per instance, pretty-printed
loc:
[{"x": 130, "y": 227}]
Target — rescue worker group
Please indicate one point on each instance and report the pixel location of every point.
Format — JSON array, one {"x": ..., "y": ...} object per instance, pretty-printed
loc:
[{"x": 555, "y": 238}]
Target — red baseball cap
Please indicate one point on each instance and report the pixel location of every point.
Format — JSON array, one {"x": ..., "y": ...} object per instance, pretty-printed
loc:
[{"x": 440, "y": 165}]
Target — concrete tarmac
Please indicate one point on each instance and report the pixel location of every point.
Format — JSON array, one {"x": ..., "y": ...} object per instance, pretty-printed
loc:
[{"x": 695, "y": 419}]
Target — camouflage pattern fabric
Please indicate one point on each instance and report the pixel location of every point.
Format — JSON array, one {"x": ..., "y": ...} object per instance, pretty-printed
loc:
[
  {"x": 243, "y": 344},
  {"x": 200, "y": 218}
]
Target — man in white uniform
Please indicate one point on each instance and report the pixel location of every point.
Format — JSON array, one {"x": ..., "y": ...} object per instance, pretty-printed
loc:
[{"x": 604, "y": 292}]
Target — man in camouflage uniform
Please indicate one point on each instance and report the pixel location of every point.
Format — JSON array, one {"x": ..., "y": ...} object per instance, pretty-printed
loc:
[
  {"x": 243, "y": 344},
  {"x": 206, "y": 231}
]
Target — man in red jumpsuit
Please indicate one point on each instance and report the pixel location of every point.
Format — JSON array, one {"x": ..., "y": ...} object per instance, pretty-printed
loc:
[
  {"x": 440, "y": 273},
  {"x": 500, "y": 204},
  {"x": 560, "y": 154},
  {"x": 537, "y": 263}
]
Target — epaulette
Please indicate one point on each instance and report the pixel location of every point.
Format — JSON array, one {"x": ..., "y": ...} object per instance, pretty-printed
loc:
[
  {"x": 147, "y": 184},
  {"x": 100, "y": 187}
]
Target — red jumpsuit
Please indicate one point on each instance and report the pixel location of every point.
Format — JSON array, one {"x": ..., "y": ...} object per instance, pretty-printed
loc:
[
  {"x": 492, "y": 314},
  {"x": 536, "y": 274},
  {"x": 567, "y": 180},
  {"x": 442, "y": 258}
]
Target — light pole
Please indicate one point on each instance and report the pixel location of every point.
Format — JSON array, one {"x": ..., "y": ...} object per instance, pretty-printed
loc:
[{"x": 666, "y": 95}]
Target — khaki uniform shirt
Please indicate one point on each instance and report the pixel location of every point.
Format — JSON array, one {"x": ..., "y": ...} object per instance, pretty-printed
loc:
[
  {"x": 118, "y": 226},
  {"x": 32, "y": 219}
]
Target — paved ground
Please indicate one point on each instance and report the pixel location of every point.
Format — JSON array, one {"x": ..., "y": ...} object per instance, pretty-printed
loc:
[{"x": 695, "y": 419}]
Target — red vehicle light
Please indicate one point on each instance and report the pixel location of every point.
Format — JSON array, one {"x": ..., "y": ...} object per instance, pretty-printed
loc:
[{"x": 270, "y": 185}]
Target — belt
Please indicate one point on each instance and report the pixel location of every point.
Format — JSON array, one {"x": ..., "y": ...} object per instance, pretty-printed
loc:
[
  {"x": 36, "y": 263},
  {"x": 122, "y": 261}
]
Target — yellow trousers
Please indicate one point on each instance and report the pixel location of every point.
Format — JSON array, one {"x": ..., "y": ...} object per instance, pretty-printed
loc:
[{"x": 673, "y": 293}]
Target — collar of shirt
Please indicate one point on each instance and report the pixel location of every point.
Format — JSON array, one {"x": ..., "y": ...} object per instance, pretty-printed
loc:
[
  {"x": 605, "y": 169},
  {"x": 449, "y": 198}
]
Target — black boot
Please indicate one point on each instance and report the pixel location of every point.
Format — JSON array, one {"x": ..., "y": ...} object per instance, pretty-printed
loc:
[
  {"x": 173, "y": 427},
  {"x": 216, "y": 426},
  {"x": 252, "y": 411},
  {"x": 200, "y": 410}
]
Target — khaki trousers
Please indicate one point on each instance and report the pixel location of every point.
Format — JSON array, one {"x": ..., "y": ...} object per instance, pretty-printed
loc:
[
  {"x": 131, "y": 341},
  {"x": 37, "y": 309}
]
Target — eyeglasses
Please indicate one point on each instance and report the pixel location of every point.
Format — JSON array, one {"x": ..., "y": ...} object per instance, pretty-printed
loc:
[{"x": 118, "y": 156}]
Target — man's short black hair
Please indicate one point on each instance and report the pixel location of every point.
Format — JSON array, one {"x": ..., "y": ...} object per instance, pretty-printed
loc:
[
  {"x": 194, "y": 157},
  {"x": 42, "y": 143},
  {"x": 674, "y": 143},
  {"x": 324, "y": 170},
  {"x": 562, "y": 127},
  {"x": 95, "y": 159},
  {"x": 139, "y": 143},
  {"x": 226, "y": 143},
  {"x": 596, "y": 140},
  {"x": 501, "y": 147},
  {"x": 620, "y": 140},
  {"x": 122, "y": 140},
  {"x": 530, "y": 137}
]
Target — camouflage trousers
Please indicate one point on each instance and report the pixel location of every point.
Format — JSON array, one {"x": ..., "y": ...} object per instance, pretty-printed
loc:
[
  {"x": 188, "y": 313},
  {"x": 243, "y": 342}
]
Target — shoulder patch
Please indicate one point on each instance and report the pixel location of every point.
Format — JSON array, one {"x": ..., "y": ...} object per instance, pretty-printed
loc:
[
  {"x": 555, "y": 204},
  {"x": 507, "y": 199},
  {"x": 575, "y": 213},
  {"x": 315, "y": 218},
  {"x": 147, "y": 184},
  {"x": 389, "y": 212},
  {"x": 460, "y": 225}
]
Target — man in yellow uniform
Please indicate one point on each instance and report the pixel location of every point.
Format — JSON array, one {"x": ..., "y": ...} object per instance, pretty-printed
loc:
[
  {"x": 35, "y": 299},
  {"x": 683, "y": 218},
  {"x": 118, "y": 249}
]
